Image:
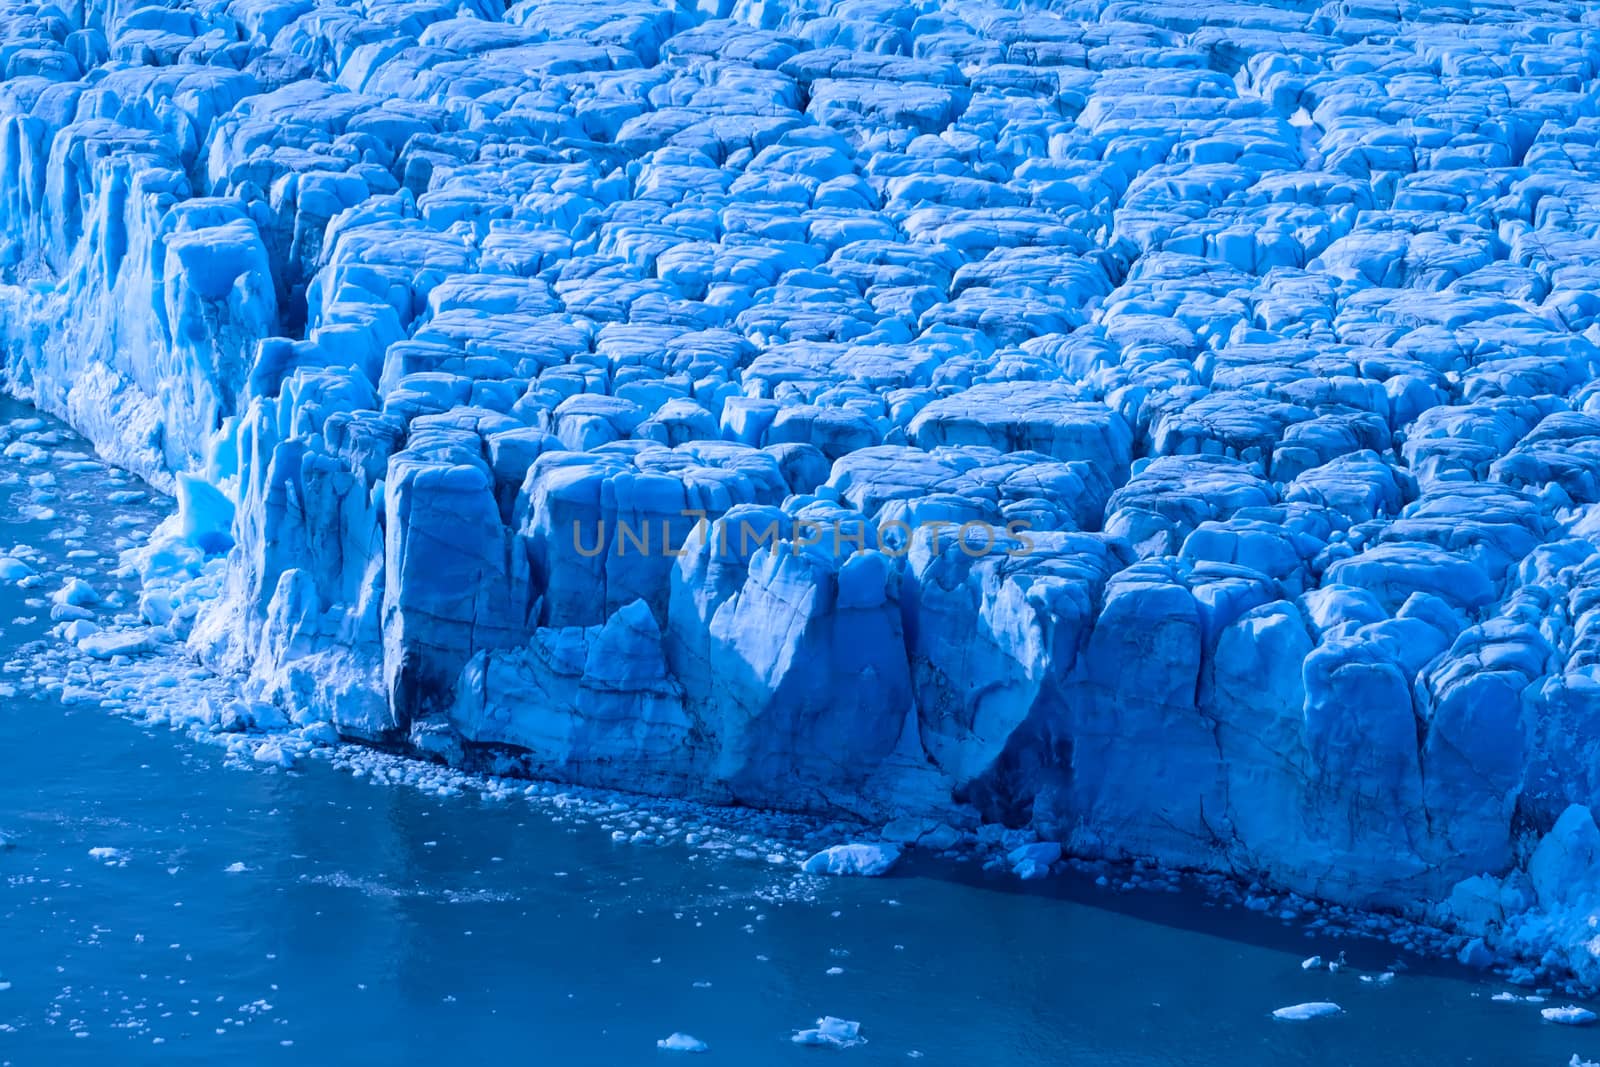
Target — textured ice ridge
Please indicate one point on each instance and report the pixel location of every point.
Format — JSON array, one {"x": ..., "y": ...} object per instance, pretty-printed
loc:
[{"x": 1255, "y": 343}]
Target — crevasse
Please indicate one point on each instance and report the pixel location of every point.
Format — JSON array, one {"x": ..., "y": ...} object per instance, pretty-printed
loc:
[{"x": 1254, "y": 345}]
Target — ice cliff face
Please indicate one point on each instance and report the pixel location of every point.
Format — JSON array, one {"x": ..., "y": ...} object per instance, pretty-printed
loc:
[{"x": 1171, "y": 424}]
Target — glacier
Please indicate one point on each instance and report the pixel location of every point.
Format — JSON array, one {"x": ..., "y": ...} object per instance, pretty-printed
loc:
[{"x": 1169, "y": 429}]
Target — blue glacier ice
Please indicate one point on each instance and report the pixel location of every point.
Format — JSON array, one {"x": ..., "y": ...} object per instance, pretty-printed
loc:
[{"x": 1158, "y": 429}]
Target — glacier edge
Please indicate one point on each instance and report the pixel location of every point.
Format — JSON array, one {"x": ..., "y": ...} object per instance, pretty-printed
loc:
[{"x": 1246, "y": 462}]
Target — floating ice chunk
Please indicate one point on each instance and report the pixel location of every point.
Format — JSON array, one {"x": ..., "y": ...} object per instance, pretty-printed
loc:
[
  {"x": 1034, "y": 860},
  {"x": 680, "y": 1042},
  {"x": 831, "y": 1031},
  {"x": 274, "y": 753},
  {"x": 106, "y": 854},
  {"x": 1311, "y": 963},
  {"x": 105, "y": 645},
  {"x": 1029, "y": 870},
  {"x": 868, "y": 860},
  {"x": 235, "y": 868},
  {"x": 76, "y": 593},
  {"x": 78, "y": 629},
  {"x": 1315, "y": 1009},
  {"x": 321, "y": 733},
  {"x": 155, "y": 608},
  {"x": 1570, "y": 1015},
  {"x": 13, "y": 570}
]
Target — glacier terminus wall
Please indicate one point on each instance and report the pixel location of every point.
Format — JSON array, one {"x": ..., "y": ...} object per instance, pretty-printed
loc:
[{"x": 1171, "y": 426}]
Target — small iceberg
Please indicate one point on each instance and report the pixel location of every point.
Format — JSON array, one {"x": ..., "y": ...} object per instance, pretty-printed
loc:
[
  {"x": 1571, "y": 1015},
  {"x": 682, "y": 1043},
  {"x": 1315, "y": 1009},
  {"x": 835, "y": 1033},
  {"x": 867, "y": 860},
  {"x": 76, "y": 593}
]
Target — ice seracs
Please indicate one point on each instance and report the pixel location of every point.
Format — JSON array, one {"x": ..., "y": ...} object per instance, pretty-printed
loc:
[{"x": 1167, "y": 427}]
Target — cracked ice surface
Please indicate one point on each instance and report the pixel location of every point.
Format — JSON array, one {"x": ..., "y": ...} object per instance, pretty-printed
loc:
[{"x": 1273, "y": 326}]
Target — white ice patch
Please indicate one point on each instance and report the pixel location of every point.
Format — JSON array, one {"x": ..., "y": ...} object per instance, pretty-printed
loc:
[{"x": 1316, "y": 1009}]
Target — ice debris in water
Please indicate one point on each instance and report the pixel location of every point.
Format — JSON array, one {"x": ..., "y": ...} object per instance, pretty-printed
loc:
[
  {"x": 866, "y": 859},
  {"x": 1570, "y": 1015},
  {"x": 681, "y": 1042},
  {"x": 1316, "y": 1009},
  {"x": 831, "y": 1032}
]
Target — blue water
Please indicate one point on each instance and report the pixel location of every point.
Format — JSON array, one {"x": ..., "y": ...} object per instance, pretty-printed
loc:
[{"x": 374, "y": 924}]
